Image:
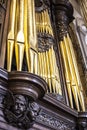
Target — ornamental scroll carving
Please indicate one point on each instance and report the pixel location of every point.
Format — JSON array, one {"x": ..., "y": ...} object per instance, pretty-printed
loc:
[{"x": 54, "y": 122}]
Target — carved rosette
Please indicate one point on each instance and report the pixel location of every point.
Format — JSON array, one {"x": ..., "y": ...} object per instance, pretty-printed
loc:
[{"x": 63, "y": 16}]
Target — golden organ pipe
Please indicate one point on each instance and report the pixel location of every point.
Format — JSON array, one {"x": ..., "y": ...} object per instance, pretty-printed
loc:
[
  {"x": 73, "y": 75},
  {"x": 58, "y": 86},
  {"x": 43, "y": 65},
  {"x": 47, "y": 63},
  {"x": 39, "y": 64},
  {"x": 49, "y": 23},
  {"x": 40, "y": 30},
  {"x": 30, "y": 23},
  {"x": 34, "y": 26},
  {"x": 19, "y": 45},
  {"x": 43, "y": 22},
  {"x": 78, "y": 80},
  {"x": 11, "y": 35},
  {"x": 37, "y": 21},
  {"x": 32, "y": 39},
  {"x": 42, "y": 25},
  {"x": 52, "y": 65},
  {"x": 45, "y": 68},
  {"x": 40, "y": 22},
  {"x": 67, "y": 72},
  {"x": 30, "y": 34},
  {"x": 48, "y": 71},
  {"x": 36, "y": 63},
  {"x": 27, "y": 47}
]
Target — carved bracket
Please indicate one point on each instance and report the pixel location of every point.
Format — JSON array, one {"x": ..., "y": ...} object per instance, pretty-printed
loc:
[{"x": 18, "y": 90}]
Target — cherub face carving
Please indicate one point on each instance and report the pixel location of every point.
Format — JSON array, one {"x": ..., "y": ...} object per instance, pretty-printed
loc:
[{"x": 20, "y": 105}]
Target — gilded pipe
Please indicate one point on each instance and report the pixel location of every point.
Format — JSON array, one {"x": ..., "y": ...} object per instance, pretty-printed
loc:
[
  {"x": 37, "y": 21},
  {"x": 32, "y": 36},
  {"x": 27, "y": 47},
  {"x": 45, "y": 21},
  {"x": 48, "y": 71},
  {"x": 44, "y": 75},
  {"x": 67, "y": 72},
  {"x": 45, "y": 69},
  {"x": 19, "y": 45},
  {"x": 78, "y": 80},
  {"x": 52, "y": 69},
  {"x": 39, "y": 64},
  {"x": 73, "y": 74},
  {"x": 11, "y": 34},
  {"x": 42, "y": 64},
  {"x": 49, "y": 24},
  {"x": 57, "y": 78},
  {"x": 43, "y": 27},
  {"x": 32, "y": 61},
  {"x": 34, "y": 26}
]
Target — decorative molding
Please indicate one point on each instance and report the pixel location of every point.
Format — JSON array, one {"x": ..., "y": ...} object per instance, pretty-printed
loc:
[{"x": 53, "y": 122}]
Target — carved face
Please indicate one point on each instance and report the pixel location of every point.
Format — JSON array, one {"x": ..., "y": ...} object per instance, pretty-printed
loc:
[{"x": 20, "y": 105}]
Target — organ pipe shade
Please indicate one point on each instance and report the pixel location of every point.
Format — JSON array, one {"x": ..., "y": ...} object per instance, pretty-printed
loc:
[
  {"x": 11, "y": 34},
  {"x": 73, "y": 81}
]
